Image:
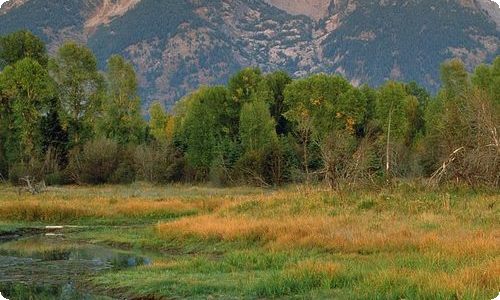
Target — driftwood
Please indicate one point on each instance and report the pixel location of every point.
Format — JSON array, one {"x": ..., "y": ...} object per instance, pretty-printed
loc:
[{"x": 31, "y": 186}]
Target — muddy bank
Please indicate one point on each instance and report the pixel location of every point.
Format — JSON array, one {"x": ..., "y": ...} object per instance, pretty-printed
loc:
[{"x": 10, "y": 235}]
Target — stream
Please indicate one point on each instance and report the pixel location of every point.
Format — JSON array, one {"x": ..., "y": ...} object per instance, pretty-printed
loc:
[{"x": 39, "y": 265}]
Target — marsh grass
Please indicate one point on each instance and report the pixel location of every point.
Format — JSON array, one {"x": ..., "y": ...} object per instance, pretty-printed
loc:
[
  {"x": 34, "y": 248},
  {"x": 388, "y": 244},
  {"x": 123, "y": 204},
  {"x": 405, "y": 242}
]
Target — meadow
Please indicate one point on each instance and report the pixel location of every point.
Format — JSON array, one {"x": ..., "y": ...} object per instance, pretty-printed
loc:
[{"x": 402, "y": 242}]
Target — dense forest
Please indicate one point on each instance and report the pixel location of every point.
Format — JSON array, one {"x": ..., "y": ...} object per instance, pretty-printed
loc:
[{"x": 63, "y": 121}]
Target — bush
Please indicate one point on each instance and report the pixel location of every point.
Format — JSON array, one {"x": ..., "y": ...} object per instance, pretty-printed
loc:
[
  {"x": 218, "y": 174},
  {"x": 250, "y": 168},
  {"x": 57, "y": 178},
  {"x": 21, "y": 170},
  {"x": 159, "y": 163},
  {"x": 17, "y": 172},
  {"x": 125, "y": 172},
  {"x": 95, "y": 163}
]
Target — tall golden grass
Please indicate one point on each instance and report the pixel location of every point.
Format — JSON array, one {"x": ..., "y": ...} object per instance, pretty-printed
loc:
[
  {"x": 347, "y": 234},
  {"x": 73, "y": 209},
  {"x": 452, "y": 243}
]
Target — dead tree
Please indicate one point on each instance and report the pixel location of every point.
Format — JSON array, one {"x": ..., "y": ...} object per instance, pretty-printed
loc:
[{"x": 439, "y": 173}]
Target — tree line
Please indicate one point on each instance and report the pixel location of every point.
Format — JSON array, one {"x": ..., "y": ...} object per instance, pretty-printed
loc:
[{"x": 64, "y": 121}]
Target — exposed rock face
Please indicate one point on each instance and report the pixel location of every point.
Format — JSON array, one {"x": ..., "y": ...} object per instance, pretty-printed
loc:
[
  {"x": 106, "y": 11},
  {"x": 178, "y": 45},
  {"x": 492, "y": 9},
  {"x": 315, "y": 9},
  {"x": 11, "y": 4}
]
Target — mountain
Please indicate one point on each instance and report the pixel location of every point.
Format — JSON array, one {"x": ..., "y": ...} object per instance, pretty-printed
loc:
[{"x": 178, "y": 45}]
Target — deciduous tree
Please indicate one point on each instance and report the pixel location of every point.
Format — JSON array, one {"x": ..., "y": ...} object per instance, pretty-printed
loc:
[
  {"x": 121, "y": 118},
  {"x": 29, "y": 88},
  {"x": 81, "y": 88},
  {"x": 19, "y": 45}
]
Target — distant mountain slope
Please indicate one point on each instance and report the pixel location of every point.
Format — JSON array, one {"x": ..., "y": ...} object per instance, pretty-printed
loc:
[{"x": 177, "y": 45}]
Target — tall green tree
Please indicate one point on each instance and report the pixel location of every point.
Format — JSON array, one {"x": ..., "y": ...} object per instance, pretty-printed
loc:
[
  {"x": 244, "y": 84},
  {"x": 29, "y": 87},
  {"x": 444, "y": 117},
  {"x": 275, "y": 83},
  {"x": 454, "y": 78},
  {"x": 487, "y": 78},
  {"x": 205, "y": 126},
  {"x": 391, "y": 115},
  {"x": 81, "y": 87},
  {"x": 495, "y": 81},
  {"x": 6, "y": 131},
  {"x": 121, "y": 118},
  {"x": 200, "y": 138},
  {"x": 417, "y": 109},
  {"x": 54, "y": 137},
  {"x": 242, "y": 87},
  {"x": 19, "y": 45},
  {"x": 257, "y": 127},
  {"x": 158, "y": 120},
  {"x": 462, "y": 140},
  {"x": 320, "y": 105}
]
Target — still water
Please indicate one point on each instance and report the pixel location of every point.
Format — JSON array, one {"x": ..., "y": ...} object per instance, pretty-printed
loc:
[{"x": 52, "y": 267}]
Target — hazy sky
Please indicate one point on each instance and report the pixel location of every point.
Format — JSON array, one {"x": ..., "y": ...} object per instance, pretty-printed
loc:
[{"x": 2, "y": 1}]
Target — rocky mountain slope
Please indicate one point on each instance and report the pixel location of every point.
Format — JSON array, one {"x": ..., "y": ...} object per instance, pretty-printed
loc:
[{"x": 177, "y": 45}]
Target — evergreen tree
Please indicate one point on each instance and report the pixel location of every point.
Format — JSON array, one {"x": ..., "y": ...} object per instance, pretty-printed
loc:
[
  {"x": 276, "y": 83},
  {"x": 54, "y": 137}
]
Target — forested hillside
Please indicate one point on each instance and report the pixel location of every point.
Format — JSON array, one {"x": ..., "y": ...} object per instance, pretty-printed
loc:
[{"x": 176, "y": 46}]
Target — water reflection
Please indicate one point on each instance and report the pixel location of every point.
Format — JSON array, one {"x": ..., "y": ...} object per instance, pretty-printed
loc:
[
  {"x": 19, "y": 291},
  {"x": 53, "y": 268}
]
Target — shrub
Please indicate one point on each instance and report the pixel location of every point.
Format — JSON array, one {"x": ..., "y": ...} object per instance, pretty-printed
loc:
[
  {"x": 125, "y": 171},
  {"x": 95, "y": 163},
  {"x": 21, "y": 170},
  {"x": 57, "y": 178},
  {"x": 250, "y": 168},
  {"x": 159, "y": 163}
]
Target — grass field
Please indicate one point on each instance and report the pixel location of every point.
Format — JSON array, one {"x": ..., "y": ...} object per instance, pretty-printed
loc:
[{"x": 296, "y": 242}]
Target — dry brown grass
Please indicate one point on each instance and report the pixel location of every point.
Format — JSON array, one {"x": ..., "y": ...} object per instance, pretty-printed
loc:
[
  {"x": 72, "y": 204},
  {"x": 348, "y": 234},
  {"x": 45, "y": 209},
  {"x": 50, "y": 210}
]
